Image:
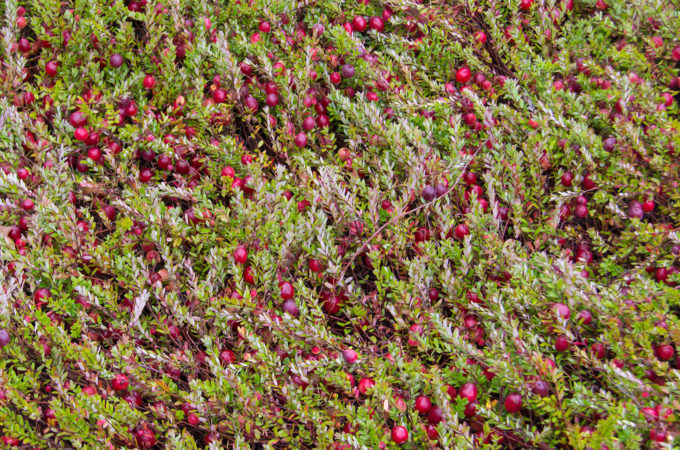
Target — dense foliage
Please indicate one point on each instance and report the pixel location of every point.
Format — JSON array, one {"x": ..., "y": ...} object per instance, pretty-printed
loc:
[{"x": 336, "y": 224}]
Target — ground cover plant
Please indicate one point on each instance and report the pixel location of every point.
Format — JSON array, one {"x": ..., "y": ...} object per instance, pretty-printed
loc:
[{"x": 339, "y": 224}]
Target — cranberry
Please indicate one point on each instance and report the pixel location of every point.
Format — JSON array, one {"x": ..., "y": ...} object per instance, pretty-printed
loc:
[
  {"x": 428, "y": 193},
  {"x": 359, "y": 24},
  {"x": 290, "y": 307},
  {"x": 120, "y": 382},
  {"x": 4, "y": 338},
  {"x": 664, "y": 352},
  {"x": 301, "y": 139},
  {"x": 399, "y": 434},
  {"x": 241, "y": 255},
  {"x": 376, "y": 23},
  {"x": 116, "y": 60},
  {"x": 227, "y": 357},
  {"x": 149, "y": 82},
  {"x": 287, "y": 290},
  {"x": 365, "y": 385},
  {"x": 561, "y": 343},
  {"x": 540, "y": 388},
  {"x": 513, "y": 403},
  {"x": 463, "y": 75},
  {"x": 435, "y": 415},
  {"x": 51, "y": 68},
  {"x": 468, "y": 391},
  {"x": 585, "y": 317},
  {"x": 349, "y": 355},
  {"x": 219, "y": 95},
  {"x": 423, "y": 404},
  {"x": 462, "y": 230}
]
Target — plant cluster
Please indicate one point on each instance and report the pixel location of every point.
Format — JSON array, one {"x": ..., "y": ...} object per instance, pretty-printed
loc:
[{"x": 339, "y": 224}]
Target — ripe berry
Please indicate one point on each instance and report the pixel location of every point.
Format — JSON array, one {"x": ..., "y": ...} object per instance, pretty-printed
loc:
[
  {"x": 365, "y": 385},
  {"x": 219, "y": 95},
  {"x": 462, "y": 230},
  {"x": 359, "y": 24},
  {"x": 145, "y": 437},
  {"x": 145, "y": 175},
  {"x": 562, "y": 310},
  {"x": 241, "y": 255},
  {"x": 376, "y": 23},
  {"x": 585, "y": 317},
  {"x": 149, "y": 82},
  {"x": 27, "y": 205},
  {"x": 227, "y": 356},
  {"x": 423, "y": 404},
  {"x": 301, "y": 139},
  {"x": 399, "y": 434},
  {"x": 290, "y": 307},
  {"x": 51, "y": 68},
  {"x": 566, "y": 179},
  {"x": 525, "y": 5},
  {"x": 435, "y": 415},
  {"x": 664, "y": 352},
  {"x": 598, "y": 350},
  {"x": 308, "y": 124},
  {"x": 463, "y": 75},
  {"x": 561, "y": 343},
  {"x": 81, "y": 134},
  {"x": 513, "y": 403},
  {"x": 658, "y": 434},
  {"x": 287, "y": 290},
  {"x": 349, "y": 355},
  {"x": 272, "y": 99},
  {"x": 540, "y": 388},
  {"x": 468, "y": 391},
  {"x": 315, "y": 265},
  {"x": 192, "y": 418},
  {"x": 120, "y": 382}
]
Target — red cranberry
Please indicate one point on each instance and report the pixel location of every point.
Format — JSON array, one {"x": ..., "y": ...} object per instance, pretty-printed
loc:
[
  {"x": 120, "y": 382},
  {"x": 423, "y": 404},
  {"x": 399, "y": 434},
  {"x": 468, "y": 391},
  {"x": 513, "y": 403}
]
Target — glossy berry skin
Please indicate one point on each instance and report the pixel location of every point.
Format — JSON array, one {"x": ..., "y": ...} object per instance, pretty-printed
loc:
[
  {"x": 241, "y": 255},
  {"x": 301, "y": 140},
  {"x": 359, "y": 24},
  {"x": 399, "y": 434},
  {"x": 315, "y": 265},
  {"x": 665, "y": 352},
  {"x": 145, "y": 437},
  {"x": 513, "y": 403},
  {"x": 423, "y": 404},
  {"x": 120, "y": 382},
  {"x": 149, "y": 82},
  {"x": 287, "y": 290},
  {"x": 51, "y": 68},
  {"x": 561, "y": 343},
  {"x": 461, "y": 231},
  {"x": 366, "y": 385},
  {"x": 468, "y": 391},
  {"x": 463, "y": 75},
  {"x": 349, "y": 355}
]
